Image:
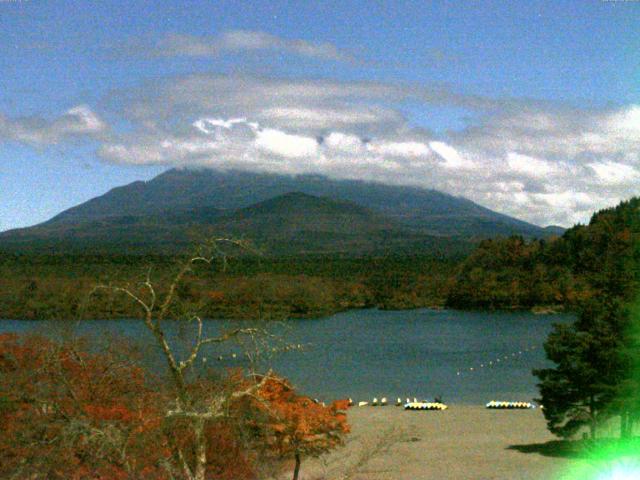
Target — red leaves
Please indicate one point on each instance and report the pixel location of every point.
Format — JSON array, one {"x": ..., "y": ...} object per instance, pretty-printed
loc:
[
  {"x": 110, "y": 413},
  {"x": 71, "y": 414},
  {"x": 300, "y": 425},
  {"x": 341, "y": 405}
]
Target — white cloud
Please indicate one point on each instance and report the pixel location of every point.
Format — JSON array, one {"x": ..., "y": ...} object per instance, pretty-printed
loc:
[
  {"x": 286, "y": 145},
  {"x": 80, "y": 120},
  {"x": 208, "y": 125},
  {"x": 245, "y": 41},
  {"x": 509, "y": 187},
  {"x": 318, "y": 117},
  {"x": 76, "y": 122},
  {"x": 452, "y": 159},
  {"x": 344, "y": 143},
  {"x": 399, "y": 149},
  {"x": 614, "y": 173},
  {"x": 542, "y": 163},
  {"x": 551, "y": 134},
  {"x": 529, "y": 166},
  {"x": 626, "y": 121}
]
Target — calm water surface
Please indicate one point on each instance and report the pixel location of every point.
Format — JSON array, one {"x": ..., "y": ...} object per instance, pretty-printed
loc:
[{"x": 367, "y": 353}]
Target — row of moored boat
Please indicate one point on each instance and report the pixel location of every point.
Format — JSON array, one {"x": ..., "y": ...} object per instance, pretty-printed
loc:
[
  {"x": 509, "y": 405},
  {"x": 416, "y": 404}
]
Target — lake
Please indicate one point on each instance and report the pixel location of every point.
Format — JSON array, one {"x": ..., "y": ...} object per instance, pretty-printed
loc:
[{"x": 465, "y": 357}]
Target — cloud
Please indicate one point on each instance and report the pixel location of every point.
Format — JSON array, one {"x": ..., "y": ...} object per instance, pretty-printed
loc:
[
  {"x": 208, "y": 125},
  {"x": 614, "y": 173},
  {"x": 280, "y": 143},
  {"x": 554, "y": 133},
  {"x": 399, "y": 149},
  {"x": 452, "y": 159},
  {"x": 344, "y": 143},
  {"x": 235, "y": 41},
  {"x": 540, "y": 162},
  {"x": 76, "y": 122},
  {"x": 529, "y": 166},
  {"x": 331, "y": 117}
]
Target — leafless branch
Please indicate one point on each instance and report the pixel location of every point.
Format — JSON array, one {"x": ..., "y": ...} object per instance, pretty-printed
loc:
[{"x": 156, "y": 309}]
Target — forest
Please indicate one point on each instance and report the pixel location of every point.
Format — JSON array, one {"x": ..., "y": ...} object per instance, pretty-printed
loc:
[
  {"x": 562, "y": 272},
  {"x": 596, "y": 376},
  {"x": 249, "y": 286},
  {"x": 502, "y": 273}
]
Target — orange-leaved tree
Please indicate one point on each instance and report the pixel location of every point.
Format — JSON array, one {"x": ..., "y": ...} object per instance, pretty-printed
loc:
[
  {"x": 298, "y": 426},
  {"x": 68, "y": 414}
]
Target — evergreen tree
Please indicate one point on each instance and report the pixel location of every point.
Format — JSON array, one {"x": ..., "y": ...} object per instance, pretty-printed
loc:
[
  {"x": 580, "y": 390},
  {"x": 598, "y": 357}
]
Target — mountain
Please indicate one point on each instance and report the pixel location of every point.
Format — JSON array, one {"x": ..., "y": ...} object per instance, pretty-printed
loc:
[
  {"x": 554, "y": 230},
  {"x": 285, "y": 214}
]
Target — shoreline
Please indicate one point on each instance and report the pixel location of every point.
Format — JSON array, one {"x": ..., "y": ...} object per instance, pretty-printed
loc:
[{"x": 536, "y": 310}]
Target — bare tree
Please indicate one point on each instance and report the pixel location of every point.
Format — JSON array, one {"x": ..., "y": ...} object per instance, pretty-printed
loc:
[{"x": 156, "y": 308}]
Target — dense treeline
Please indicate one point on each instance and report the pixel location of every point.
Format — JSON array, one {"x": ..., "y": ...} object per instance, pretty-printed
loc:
[
  {"x": 563, "y": 271},
  {"x": 560, "y": 272},
  {"x": 60, "y": 286},
  {"x": 597, "y": 373},
  {"x": 514, "y": 273}
]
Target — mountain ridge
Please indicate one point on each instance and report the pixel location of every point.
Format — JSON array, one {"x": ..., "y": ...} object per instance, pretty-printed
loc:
[{"x": 358, "y": 214}]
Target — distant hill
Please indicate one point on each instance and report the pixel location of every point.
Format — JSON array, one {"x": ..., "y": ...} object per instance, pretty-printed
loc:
[
  {"x": 284, "y": 214},
  {"x": 556, "y": 230}
]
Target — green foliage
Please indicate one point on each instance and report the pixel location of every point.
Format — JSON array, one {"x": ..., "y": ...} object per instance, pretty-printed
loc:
[
  {"x": 565, "y": 271},
  {"x": 598, "y": 357},
  {"x": 578, "y": 390},
  {"x": 513, "y": 273}
]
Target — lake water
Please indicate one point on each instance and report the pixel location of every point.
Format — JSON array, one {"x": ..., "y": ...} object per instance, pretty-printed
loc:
[{"x": 366, "y": 353}]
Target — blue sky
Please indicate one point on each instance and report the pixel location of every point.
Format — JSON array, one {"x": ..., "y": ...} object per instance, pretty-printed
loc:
[{"x": 529, "y": 108}]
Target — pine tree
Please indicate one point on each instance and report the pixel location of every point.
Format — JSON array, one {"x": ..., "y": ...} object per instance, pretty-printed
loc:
[{"x": 597, "y": 373}]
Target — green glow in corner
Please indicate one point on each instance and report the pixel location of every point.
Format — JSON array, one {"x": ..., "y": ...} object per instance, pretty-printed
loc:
[
  {"x": 616, "y": 460},
  {"x": 621, "y": 470}
]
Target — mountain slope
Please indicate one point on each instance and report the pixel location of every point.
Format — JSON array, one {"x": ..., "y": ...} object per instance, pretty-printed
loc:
[
  {"x": 293, "y": 223},
  {"x": 174, "y": 190},
  {"x": 285, "y": 214}
]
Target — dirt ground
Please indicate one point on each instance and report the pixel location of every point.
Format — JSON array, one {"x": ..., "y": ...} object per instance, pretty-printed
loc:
[{"x": 463, "y": 442}]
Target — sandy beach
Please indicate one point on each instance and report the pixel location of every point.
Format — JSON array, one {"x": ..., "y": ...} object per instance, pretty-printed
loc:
[{"x": 463, "y": 442}]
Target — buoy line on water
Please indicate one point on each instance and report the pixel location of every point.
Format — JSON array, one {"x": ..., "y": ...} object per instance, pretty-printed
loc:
[
  {"x": 495, "y": 361},
  {"x": 271, "y": 351}
]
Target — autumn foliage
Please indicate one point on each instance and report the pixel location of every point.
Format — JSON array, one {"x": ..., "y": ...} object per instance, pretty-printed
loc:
[
  {"x": 67, "y": 414},
  {"x": 70, "y": 413},
  {"x": 295, "y": 426},
  {"x": 298, "y": 424}
]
